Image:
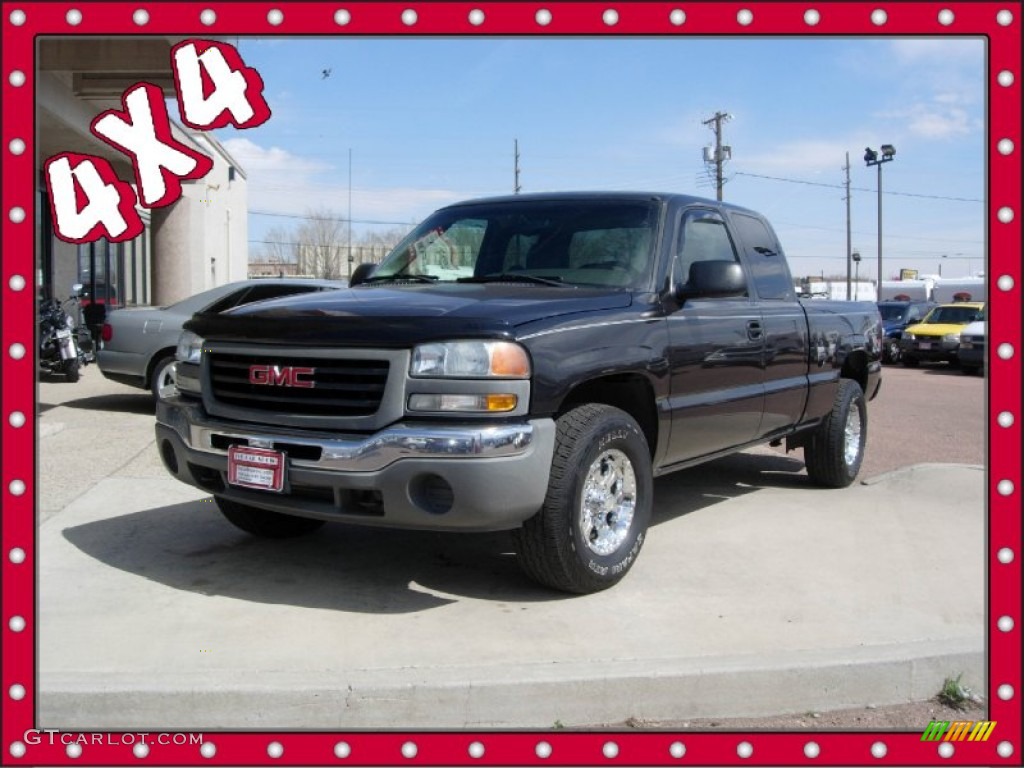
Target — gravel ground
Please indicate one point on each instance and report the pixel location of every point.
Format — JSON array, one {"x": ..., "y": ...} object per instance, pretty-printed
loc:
[{"x": 900, "y": 717}]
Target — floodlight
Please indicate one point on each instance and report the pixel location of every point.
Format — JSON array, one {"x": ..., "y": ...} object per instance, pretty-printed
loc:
[{"x": 888, "y": 150}]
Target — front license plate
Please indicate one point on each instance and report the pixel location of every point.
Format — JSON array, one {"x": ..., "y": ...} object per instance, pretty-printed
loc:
[
  {"x": 925, "y": 345},
  {"x": 256, "y": 468}
]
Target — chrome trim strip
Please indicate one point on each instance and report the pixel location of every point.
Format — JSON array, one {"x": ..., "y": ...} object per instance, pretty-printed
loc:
[
  {"x": 586, "y": 326},
  {"x": 374, "y": 452}
]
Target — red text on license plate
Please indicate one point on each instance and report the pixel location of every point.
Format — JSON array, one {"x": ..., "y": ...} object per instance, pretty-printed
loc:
[{"x": 255, "y": 468}]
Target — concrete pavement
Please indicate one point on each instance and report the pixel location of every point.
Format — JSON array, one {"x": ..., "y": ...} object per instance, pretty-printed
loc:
[{"x": 755, "y": 594}]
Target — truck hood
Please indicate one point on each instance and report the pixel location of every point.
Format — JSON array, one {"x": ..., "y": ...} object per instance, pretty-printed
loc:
[{"x": 400, "y": 315}]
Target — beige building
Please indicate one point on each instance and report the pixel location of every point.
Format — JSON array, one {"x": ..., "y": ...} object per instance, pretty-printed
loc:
[{"x": 193, "y": 244}]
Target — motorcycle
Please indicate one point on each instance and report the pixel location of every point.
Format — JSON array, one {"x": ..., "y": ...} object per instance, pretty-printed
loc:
[{"x": 65, "y": 347}]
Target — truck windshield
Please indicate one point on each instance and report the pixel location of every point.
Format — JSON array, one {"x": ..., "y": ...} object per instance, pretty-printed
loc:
[
  {"x": 953, "y": 316},
  {"x": 551, "y": 242},
  {"x": 893, "y": 312}
]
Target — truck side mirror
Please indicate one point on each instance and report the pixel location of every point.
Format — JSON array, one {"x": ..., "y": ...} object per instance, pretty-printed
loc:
[
  {"x": 360, "y": 273},
  {"x": 713, "y": 278}
]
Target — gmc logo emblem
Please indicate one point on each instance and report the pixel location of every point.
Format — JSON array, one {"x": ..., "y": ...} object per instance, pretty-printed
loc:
[{"x": 281, "y": 375}]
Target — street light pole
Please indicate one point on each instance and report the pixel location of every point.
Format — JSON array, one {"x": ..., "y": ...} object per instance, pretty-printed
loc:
[
  {"x": 872, "y": 158},
  {"x": 879, "y": 228},
  {"x": 848, "y": 240}
]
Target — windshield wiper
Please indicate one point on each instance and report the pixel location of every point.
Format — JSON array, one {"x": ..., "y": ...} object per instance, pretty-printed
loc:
[
  {"x": 512, "y": 277},
  {"x": 400, "y": 276}
]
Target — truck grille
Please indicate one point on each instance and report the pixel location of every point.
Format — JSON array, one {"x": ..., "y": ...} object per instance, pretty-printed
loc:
[{"x": 341, "y": 387}]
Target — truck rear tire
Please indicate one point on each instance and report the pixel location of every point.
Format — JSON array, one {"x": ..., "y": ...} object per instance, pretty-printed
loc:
[
  {"x": 590, "y": 530},
  {"x": 263, "y": 523},
  {"x": 834, "y": 452}
]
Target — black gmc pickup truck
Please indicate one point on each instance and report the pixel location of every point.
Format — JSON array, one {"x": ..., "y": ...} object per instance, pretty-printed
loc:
[{"x": 527, "y": 363}]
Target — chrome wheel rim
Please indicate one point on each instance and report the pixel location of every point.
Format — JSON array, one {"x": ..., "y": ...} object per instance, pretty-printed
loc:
[
  {"x": 851, "y": 435},
  {"x": 165, "y": 386},
  {"x": 608, "y": 502}
]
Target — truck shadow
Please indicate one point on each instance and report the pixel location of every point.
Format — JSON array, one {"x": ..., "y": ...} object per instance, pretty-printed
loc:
[
  {"x": 190, "y": 547},
  {"x": 141, "y": 403},
  {"x": 692, "y": 489}
]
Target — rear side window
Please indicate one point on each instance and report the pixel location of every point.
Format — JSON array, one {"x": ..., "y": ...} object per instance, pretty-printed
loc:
[{"x": 764, "y": 254}]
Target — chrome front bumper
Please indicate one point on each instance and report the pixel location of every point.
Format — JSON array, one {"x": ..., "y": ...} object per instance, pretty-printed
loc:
[
  {"x": 488, "y": 476},
  {"x": 358, "y": 453}
]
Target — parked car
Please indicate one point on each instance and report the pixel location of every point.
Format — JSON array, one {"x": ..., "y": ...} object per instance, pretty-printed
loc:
[
  {"x": 896, "y": 316},
  {"x": 972, "y": 347},
  {"x": 139, "y": 342},
  {"x": 937, "y": 337}
]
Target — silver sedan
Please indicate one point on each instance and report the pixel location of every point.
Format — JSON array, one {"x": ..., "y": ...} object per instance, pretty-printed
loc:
[{"x": 139, "y": 342}]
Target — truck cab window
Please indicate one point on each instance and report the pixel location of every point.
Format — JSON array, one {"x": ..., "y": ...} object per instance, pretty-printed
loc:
[
  {"x": 701, "y": 237},
  {"x": 764, "y": 254}
]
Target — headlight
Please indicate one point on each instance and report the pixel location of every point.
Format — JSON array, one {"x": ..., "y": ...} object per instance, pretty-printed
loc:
[
  {"x": 190, "y": 348},
  {"x": 951, "y": 337},
  {"x": 471, "y": 359},
  {"x": 909, "y": 336}
]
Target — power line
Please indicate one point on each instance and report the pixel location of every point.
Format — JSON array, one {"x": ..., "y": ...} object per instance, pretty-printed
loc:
[
  {"x": 328, "y": 218},
  {"x": 859, "y": 189},
  {"x": 793, "y": 225},
  {"x": 337, "y": 247}
]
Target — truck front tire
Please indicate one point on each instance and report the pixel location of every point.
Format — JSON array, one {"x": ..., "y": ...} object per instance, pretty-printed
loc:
[
  {"x": 590, "y": 530},
  {"x": 263, "y": 523},
  {"x": 834, "y": 452}
]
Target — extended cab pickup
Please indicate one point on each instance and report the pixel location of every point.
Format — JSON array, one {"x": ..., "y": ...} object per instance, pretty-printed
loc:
[{"x": 527, "y": 363}]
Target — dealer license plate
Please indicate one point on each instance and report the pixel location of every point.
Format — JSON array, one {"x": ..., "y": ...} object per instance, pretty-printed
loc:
[
  {"x": 256, "y": 468},
  {"x": 925, "y": 345}
]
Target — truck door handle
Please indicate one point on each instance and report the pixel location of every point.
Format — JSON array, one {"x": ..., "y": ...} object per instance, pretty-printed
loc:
[{"x": 754, "y": 330}]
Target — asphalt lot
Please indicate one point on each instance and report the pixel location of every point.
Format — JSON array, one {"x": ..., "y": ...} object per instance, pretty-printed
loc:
[{"x": 755, "y": 594}]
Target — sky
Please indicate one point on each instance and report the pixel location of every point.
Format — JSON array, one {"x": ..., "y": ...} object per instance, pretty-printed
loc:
[{"x": 430, "y": 121}]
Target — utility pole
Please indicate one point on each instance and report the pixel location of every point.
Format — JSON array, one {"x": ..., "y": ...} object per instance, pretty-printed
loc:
[
  {"x": 849, "y": 253},
  {"x": 516, "y": 187},
  {"x": 349, "y": 211},
  {"x": 721, "y": 153}
]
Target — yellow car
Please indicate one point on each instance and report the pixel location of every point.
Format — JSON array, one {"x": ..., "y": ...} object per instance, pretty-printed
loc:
[{"x": 937, "y": 336}]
